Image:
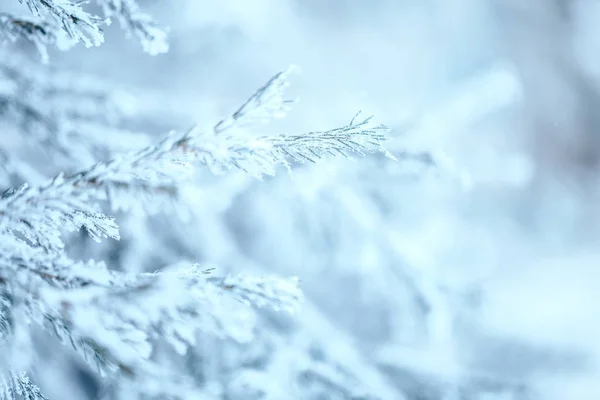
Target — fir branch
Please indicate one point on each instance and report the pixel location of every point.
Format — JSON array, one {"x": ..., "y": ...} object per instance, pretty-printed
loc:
[
  {"x": 40, "y": 212},
  {"x": 56, "y": 269},
  {"x": 137, "y": 24},
  {"x": 15, "y": 386},
  {"x": 260, "y": 156},
  {"x": 121, "y": 319},
  {"x": 5, "y": 315},
  {"x": 77, "y": 23},
  {"x": 266, "y": 104},
  {"x": 111, "y": 318},
  {"x": 115, "y": 317},
  {"x": 24, "y": 270},
  {"x": 68, "y": 17},
  {"x": 93, "y": 354}
]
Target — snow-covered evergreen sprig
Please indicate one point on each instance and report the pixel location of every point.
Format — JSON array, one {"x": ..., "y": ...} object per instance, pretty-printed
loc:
[
  {"x": 17, "y": 385},
  {"x": 70, "y": 17},
  {"x": 260, "y": 156},
  {"x": 137, "y": 24},
  {"x": 122, "y": 320},
  {"x": 267, "y": 103},
  {"x": 113, "y": 319},
  {"x": 39, "y": 213},
  {"x": 65, "y": 22}
]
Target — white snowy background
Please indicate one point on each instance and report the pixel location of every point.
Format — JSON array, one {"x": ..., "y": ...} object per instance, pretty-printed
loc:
[{"x": 482, "y": 268}]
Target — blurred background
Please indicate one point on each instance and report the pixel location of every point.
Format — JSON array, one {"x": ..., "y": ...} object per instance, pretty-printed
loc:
[{"x": 469, "y": 272}]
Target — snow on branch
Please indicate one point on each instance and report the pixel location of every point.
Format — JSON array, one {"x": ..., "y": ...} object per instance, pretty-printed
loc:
[
  {"x": 121, "y": 320},
  {"x": 34, "y": 268},
  {"x": 114, "y": 319},
  {"x": 65, "y": 22},
  {"x": 4, "y": 320},
  {"x": 223, "y": 147},
  {"x": 267, "y": 103},
  {"x": 79, "y": 25},
  {"x": 16, "y": 386},
  {"x": 55, "y": 269},
  {"x": 260, "y": 156},
  {"x": 39, "y": 213},
  {"x": 137, "y": 24}
]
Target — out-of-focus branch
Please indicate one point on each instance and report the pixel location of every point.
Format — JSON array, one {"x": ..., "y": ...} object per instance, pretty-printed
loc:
[
  {"x": 40, "y": 33},
  {"x": 560, "y": 104},
  {"x": 76, "y": 120}
]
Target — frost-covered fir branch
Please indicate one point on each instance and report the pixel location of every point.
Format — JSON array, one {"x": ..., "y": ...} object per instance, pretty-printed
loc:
[
  {"x": 69, "y": 16},
  {"x": 137, "y": 24},
  {"x": 113, "y": 319},
  {"x": 260, "y": 156},
  {"x": 15, "y": 386},
  {"x": 114, "y": 322},
  {"x": 169, "y": 305},
  {"x": 40, "y": 213},
  {"x": 267, "y": 103},
  {"x": 63, "y": 23}
]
